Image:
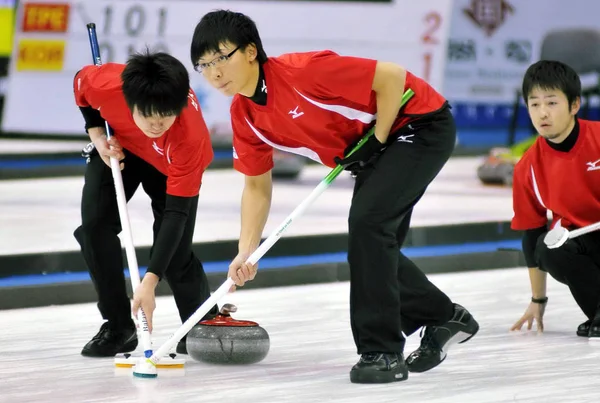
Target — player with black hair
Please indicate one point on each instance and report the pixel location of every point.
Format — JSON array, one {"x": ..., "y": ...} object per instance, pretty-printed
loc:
[
  {"x": 559, "y": 174},
  {"x": 319, "y": 104},
  {"x": 163, "y": 142}
]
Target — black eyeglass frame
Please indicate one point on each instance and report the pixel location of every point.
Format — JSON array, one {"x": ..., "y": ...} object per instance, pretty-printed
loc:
[{"x": 224, "y": 59}]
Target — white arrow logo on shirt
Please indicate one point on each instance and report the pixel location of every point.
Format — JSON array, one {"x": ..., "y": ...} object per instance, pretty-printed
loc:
[
  {"x": 592, "y": 166},
  {"x": 295, "y": 113}
]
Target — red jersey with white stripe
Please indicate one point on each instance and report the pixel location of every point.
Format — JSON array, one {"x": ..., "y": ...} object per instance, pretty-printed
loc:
[
  {"x": 318, "y": 103},
  {"x": 566, "y": 183},
  {"x": 182, "y": 153}
]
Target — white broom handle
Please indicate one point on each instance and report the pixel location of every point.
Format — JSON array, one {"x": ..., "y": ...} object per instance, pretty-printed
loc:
[
  {"x": 276, "y": 234},
  {"x": 132, "y": 263}
]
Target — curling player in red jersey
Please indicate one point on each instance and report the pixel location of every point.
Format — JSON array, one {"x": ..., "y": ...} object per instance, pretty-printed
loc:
[
  {"x": 163, "y": 142},
  {"x": 559, "y": 174},
  {"x": 319, "y": 104}
]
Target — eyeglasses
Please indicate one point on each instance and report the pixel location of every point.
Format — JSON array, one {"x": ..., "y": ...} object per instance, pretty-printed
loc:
[{"x": 218, "y": 62}]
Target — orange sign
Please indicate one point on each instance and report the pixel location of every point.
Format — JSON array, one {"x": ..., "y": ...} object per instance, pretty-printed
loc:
[
  {"x": 40, "y": 55},
  {"x": 45, "y": 17}
]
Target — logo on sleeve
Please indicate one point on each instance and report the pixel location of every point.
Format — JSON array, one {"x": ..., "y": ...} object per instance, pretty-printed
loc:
[{"x": 235, "y": 156}]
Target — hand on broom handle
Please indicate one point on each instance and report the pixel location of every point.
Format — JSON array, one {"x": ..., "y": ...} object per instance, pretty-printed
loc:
[
  {"x": 261, "y": 250},
  {"x": 134, "y": 273}
]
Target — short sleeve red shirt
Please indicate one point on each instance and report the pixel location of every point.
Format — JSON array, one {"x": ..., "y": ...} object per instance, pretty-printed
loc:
[{"x": 182, "y": 153}]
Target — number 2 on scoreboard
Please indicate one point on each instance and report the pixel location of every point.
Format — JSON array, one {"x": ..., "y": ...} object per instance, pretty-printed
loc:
[{"x": 433, "y": 21}]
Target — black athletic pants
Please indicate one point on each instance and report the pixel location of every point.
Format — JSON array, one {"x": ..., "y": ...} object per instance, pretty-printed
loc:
[
  {"x": 389, "y": 294},
  {"x": 577, "y": 265},
  {"x": 101, "y": 246}
]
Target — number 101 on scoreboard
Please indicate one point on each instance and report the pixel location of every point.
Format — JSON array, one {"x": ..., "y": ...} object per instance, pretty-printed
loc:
[{"x": 124, "y": 28}]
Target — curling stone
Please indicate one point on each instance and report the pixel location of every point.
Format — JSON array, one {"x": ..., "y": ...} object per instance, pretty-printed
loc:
[{"x": 224, "y": 340}]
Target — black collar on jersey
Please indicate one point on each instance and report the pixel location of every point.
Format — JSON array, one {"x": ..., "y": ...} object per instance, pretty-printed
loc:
[
  {"x": 260, "y": 93},
  {"x": 569, "y": 142}
]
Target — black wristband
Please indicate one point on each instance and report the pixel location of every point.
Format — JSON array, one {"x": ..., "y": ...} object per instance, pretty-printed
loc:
[{"x": 539, "y": 300}]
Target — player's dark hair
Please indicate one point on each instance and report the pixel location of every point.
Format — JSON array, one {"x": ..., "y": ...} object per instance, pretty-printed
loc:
[
  {"x": 155, "y": 83},
  {"x": 552, "y": 75},
  {"x": 220, "y": 26}
]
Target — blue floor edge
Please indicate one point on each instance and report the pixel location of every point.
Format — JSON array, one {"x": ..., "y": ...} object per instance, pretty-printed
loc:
[
  {"x": 275, "y": 262},
  {"x": 36, "y": 163}
]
